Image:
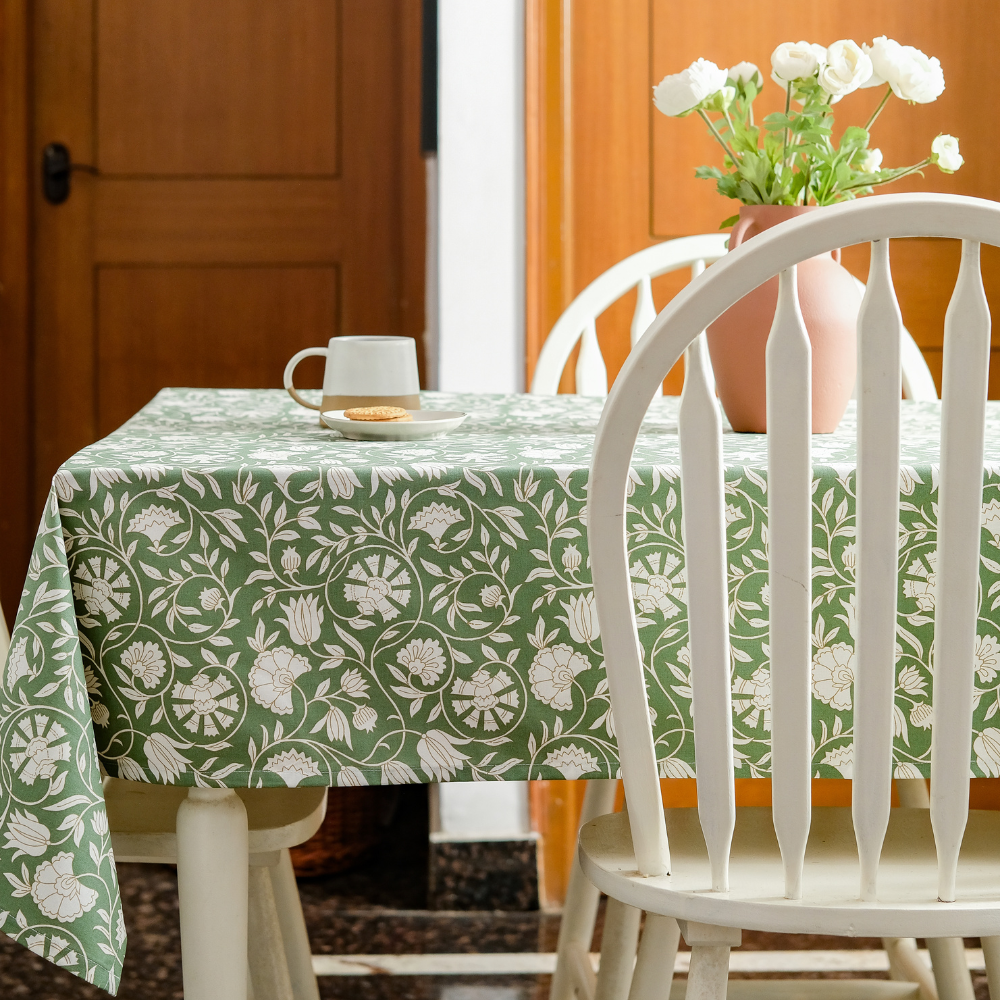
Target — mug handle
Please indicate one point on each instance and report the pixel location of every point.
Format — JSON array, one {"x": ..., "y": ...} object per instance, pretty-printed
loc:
[{"x": 309, "y": 352}]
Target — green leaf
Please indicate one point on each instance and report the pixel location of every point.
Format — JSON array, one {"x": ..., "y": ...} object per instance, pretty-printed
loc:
[{"x": 731, "y": 221}]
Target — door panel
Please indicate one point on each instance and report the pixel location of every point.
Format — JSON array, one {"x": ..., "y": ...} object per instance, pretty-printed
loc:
[
  {"x": 203, "y": 326},
  {"x": 232, "y": 87},
  {"x": 256, "y": 186}
]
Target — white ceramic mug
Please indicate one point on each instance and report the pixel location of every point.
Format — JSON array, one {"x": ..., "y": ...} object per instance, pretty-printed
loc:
[{"x": 363, "y": 371}]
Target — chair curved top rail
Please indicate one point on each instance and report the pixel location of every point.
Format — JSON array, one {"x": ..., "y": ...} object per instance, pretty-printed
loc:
[
  {"x": 610, "y": 286},
  {"x": 775, "y": 252}
]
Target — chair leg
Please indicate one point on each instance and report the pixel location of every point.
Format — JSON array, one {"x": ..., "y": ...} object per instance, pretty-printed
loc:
[
  {"x": 293, "y": 930},
  {"x": 906, "y": 965},
  {"x": 618, "y": 946},
  {"x": 991, "y": 952},
  {"x": 708, "y": 976},
  {"x": 576, "y": 931},
  {"x": 654, "y": 967},
  {"x": 266, "y": 954},
  {"x": 212, "y": 886},
  {"x": 951, "y": 972}
]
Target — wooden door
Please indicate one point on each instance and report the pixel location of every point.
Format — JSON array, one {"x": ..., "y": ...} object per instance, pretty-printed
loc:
[
  {"x": 607, "y": 176},
  {"x": 249, "y": 183}
]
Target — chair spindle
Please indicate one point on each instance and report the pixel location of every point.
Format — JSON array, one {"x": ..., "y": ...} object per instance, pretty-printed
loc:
[
  {"x": 645, "y": 312},
  {"x": 964, "y": 385},
  {"x": 703, "y": 507},
  {"x": 880, "y": 327},
  {"x": 789, "y": 504},
  {"x": 591, "y": 374}
]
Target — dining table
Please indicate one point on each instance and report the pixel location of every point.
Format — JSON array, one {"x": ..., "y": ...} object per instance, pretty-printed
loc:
[{"x": 225, "y": 593}]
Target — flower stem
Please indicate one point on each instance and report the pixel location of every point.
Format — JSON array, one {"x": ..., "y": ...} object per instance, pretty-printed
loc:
[
  {"x": 788, "y": 104},
  {"x": 906, "y": 173},
  {"x": 715, "y": 132},
  {"x": 878, "y": 110}
]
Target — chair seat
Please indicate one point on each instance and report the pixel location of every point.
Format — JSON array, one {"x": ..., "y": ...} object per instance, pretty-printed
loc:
[
  {"x": 143, "y": 818},
  {"x": 907, "y": 906},
  {"x": 809, "y": 989}
]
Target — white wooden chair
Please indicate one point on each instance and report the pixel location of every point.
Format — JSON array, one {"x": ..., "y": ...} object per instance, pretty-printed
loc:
[
  {"x": 578, "y": 325},
  {"x": 899, "y": 874},
  {"x": 242, "y": 931}
]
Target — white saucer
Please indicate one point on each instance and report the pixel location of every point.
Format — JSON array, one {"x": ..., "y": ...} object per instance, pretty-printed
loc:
[{"x": 425, "y": 424}]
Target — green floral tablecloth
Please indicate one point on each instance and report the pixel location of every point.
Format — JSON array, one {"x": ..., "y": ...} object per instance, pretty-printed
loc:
[{"x": 224, "y": 593}]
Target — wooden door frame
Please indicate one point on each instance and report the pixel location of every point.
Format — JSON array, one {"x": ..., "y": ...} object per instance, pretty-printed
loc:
[{"x": 17, "y": 513}]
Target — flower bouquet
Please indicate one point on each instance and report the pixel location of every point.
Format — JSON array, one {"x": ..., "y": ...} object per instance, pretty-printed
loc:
[
  {"x": 789, "y": 164},
  {"x": 790, "y": 158}
]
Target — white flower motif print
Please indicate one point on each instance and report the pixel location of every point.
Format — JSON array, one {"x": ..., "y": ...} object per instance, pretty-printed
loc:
[
  {"x": 991, "y": 519},
  {"x": 17, "y": 662},
  {"x": 906, "y": 770},
  {"x": 571, "y": 558},
  {"x": 26, "y": 835},
  {"x": 99, "y": 823},
  {"x": 120, "y": 929},
  {"x": 100, "y": 590},
  {"x": 290, "y": 560},
  {"x": 733, "y": 513},
  {"x": 378, "y": 587},
  {"x": 163, "y": 759},
  {"x": 755, "y": 689},
  {"x": 154, "y": 522},
  {"x": 571, "y": 761},
  {"x": 485, "y": 696},
  {"x": 922, "y": 715},
  {"x": 490, "y": 596},
  {"x": 342, "y": 482},
  {"x": 833, "y": 675},
  {"x": 60, "y": 894},
  {"x": 841, "y": 758},
  {"x": 365, "y": 717},
  {"x": 654, "y": 590},
  {"x": 36, "y": 753},
  {"x": 353, "y": 684},
  {"x": 911, "y": 681},
  {"x": 423, "y": 658},
  {"x": 99, "y": 713},
  {"x": 206, "y": 705},
  {"x": 292, "y": 766},
  {"x": 552, "y": 673},
  {"x": 273, "y": 676},
  {"x": 849, "y": 557},
  {"x": 303, "y": 618},
  {"x": 435, "y": 520},
  {"x": 350, "y": 777},
  {"x": 56, "y": 950},
  {"x": 922, "y": 589},
  {"x": 987, "y": 750},
  {"x": 674, "y": 767},
  {"x": 144, "y": 660},
  {"x": 987, "y": 657},
  {"x": 439, "y": 759},
  {"x": 65, "y": 485},
  {"x": 581, "y": 617},
  {"x": 395, "y": 772},
  {"x": 210, "y": 599}
]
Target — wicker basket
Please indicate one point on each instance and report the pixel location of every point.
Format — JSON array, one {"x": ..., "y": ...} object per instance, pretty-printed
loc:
[{"x": 350, "y": 832}]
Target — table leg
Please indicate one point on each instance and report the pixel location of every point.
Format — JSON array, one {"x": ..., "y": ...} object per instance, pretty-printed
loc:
[{"x": 212, "y": 885}]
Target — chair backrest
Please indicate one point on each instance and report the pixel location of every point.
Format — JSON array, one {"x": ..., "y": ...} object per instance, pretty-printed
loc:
[
  {"x": 578, "y": 324},
  {"x": 789, "y": 479}
]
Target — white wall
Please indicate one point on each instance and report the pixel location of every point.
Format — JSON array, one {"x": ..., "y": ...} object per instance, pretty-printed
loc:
[{"x": 481, "y": 195}]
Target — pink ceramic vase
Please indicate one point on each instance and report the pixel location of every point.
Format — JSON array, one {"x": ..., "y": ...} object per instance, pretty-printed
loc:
[{"x": 830, "y": 302}]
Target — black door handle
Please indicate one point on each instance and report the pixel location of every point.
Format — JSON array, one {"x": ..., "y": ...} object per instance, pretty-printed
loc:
[{"x": 57, "y": 165}]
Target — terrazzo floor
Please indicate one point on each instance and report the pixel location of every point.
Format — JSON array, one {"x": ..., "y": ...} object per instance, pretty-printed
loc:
[{"x": 380, "y": 907}]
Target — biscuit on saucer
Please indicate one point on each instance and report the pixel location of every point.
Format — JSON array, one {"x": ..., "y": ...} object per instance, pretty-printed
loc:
[{"x": 390, "y": 414}]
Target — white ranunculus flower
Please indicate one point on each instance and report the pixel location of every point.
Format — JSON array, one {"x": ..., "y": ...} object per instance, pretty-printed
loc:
[
  {"x": 872, "y": 162},
  {"x": 949, "y": 159},
  {"x": 912, "y": 75},
  {"x": 744, "y": 72},
  {"x": 846, "y": 69},
  {"x": 682, "y": 92},
  {"x": 795, "y": 61}
]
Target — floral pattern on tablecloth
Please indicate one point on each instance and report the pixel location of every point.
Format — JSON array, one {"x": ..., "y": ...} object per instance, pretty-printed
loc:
[{"x": 223, "y": 592}]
